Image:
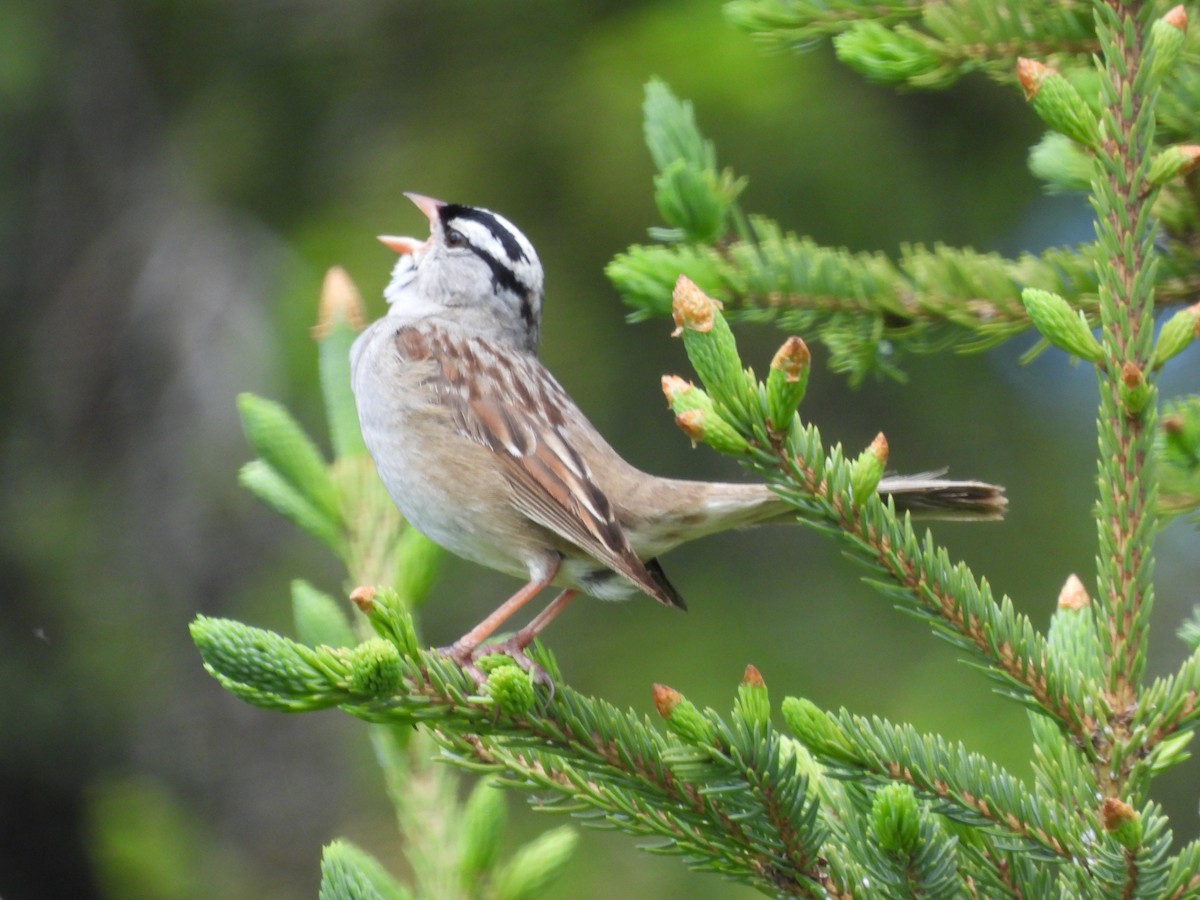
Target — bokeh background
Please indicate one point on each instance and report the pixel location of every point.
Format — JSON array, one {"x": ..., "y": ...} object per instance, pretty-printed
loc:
[{"x": 176, "y": 177}]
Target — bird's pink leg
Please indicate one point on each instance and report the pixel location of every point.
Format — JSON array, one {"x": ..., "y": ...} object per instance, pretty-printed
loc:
[{"x": 464, "y": 647}]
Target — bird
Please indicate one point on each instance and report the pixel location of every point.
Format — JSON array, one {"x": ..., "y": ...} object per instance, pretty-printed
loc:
[{"x": 485, "y": 453}]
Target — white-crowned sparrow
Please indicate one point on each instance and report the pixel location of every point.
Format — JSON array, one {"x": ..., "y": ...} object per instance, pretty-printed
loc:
[{"x": 485, "y": 453}]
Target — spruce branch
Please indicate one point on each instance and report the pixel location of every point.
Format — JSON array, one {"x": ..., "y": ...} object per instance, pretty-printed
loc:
[
  {"x": 922, "y": 43},
  {"x": 996, "y": 869},
  {"x": 1062, "y": 770},
  {"x": 908, "y": 851},
  {"x": 1183, "y": 880},
  {"x": 350, "y": 873},
  {"x": 866, "y": 308},
  {"x": 917, "y": 574},
  {"x": 430, "y": 822},
  {"x": 795, "y": 23},
  {"x": 1168, "y": 707},
  {"x": 970, "y": 788},
  {"x": 736, "y": 802},
  {"x": 1131, "y": 856},
  {"x": 1125, "y": 234}
]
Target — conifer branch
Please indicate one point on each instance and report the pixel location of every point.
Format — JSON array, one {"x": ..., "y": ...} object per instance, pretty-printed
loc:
[
  {"x": 961, "y": 608},
  {"x": 731, "y": 799},
  {"x": 1169, "y": 706},
  {"x": 972, "y": 789},
  {"x": 822, "y": 487},
  {"x": 1125, "y": 234},
  {"x": 1000, "y": 872},
  {"x": 926, "y": 44},
  {"x": 866, "y": 308},
  {"x": 1183, "y": 880}
]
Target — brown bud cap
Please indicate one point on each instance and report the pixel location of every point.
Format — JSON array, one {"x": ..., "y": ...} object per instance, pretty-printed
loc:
[
  {"x": 691, "y": 308},
  {"x": 673, "y": 386},
  {"x": 1177, "y": 16},
  {"x": 666, "y": 699},
  {"x": 363, "y": 597},
  {"x": 752, "y": 677},
  {"x": 1194, "y": 309},
  {"x": 691, "y": 423},
  {"x": 1192, "y": 152},
  {"x": 1172, "y": 424},
  {"x": 340, "y": 302},
  {"x": 1122, "y": 822},
  {"x": 1031, "y": 74},
  {"x": 1116, "y": 813},
  {"x": 1134, "y": 390},
  {"x": 879, "y": 448},
  {"x": 792, "y": 359},
  {"x": 1074, "y": 595}
]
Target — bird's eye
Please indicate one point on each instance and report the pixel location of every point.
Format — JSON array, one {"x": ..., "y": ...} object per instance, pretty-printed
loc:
[{"x": 455, "y": 238}]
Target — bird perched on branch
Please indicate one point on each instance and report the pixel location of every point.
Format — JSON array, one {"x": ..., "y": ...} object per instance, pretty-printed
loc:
[{"x": 484, "y": 452}]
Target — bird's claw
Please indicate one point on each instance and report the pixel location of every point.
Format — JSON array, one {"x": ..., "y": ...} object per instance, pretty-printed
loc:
[{"x": 513, "y": 648}]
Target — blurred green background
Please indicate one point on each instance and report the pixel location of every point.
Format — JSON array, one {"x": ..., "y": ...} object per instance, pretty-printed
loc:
[{"x": 176, "y": 177}]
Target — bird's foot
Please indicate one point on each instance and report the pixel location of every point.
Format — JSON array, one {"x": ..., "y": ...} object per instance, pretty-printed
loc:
[
  {"x": 514, "y": 648},
  {"x": 464, "y": 658}
]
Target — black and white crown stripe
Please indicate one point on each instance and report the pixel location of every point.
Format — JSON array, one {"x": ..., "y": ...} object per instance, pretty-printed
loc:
[
  {"x": 516, "y": 246},
  {"x": 508, "y": 254}
]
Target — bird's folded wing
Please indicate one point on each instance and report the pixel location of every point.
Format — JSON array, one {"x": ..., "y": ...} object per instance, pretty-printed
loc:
[
  {"x": 552, "y": 486},
  {"x": 518, "y": 419}
]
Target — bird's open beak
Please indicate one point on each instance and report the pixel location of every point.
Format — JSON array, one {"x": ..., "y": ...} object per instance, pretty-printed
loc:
[
  {"x": 427, "y": 205},
  {"x": 402, "y": 245},
  {"x": 408, "y": 245}
]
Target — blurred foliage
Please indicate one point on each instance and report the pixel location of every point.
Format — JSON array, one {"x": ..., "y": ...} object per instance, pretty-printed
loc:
[
  {"x": 147, "y": 844},
  {"x": 177, "y": 178},
  {"x": 1179, "y": 454}
]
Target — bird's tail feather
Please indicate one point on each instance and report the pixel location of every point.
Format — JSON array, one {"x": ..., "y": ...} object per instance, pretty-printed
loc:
[
  {"x": 929, "y": 496},
  {"x": 925, "y": 495},
  {"x": 685, "y": 510}
]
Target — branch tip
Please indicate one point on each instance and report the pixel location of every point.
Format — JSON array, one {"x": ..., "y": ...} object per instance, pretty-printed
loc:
[
  {"x": 1074, "y": 595},
  {"x": 752, "y": 677},
  {"x": 340, "y": 302},
  {"x": 1031, "y": 74},
  {"x": 666, "y": 699},
  {"x": 363, "y": 597},
  {"x": 691, "y": 308}
]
